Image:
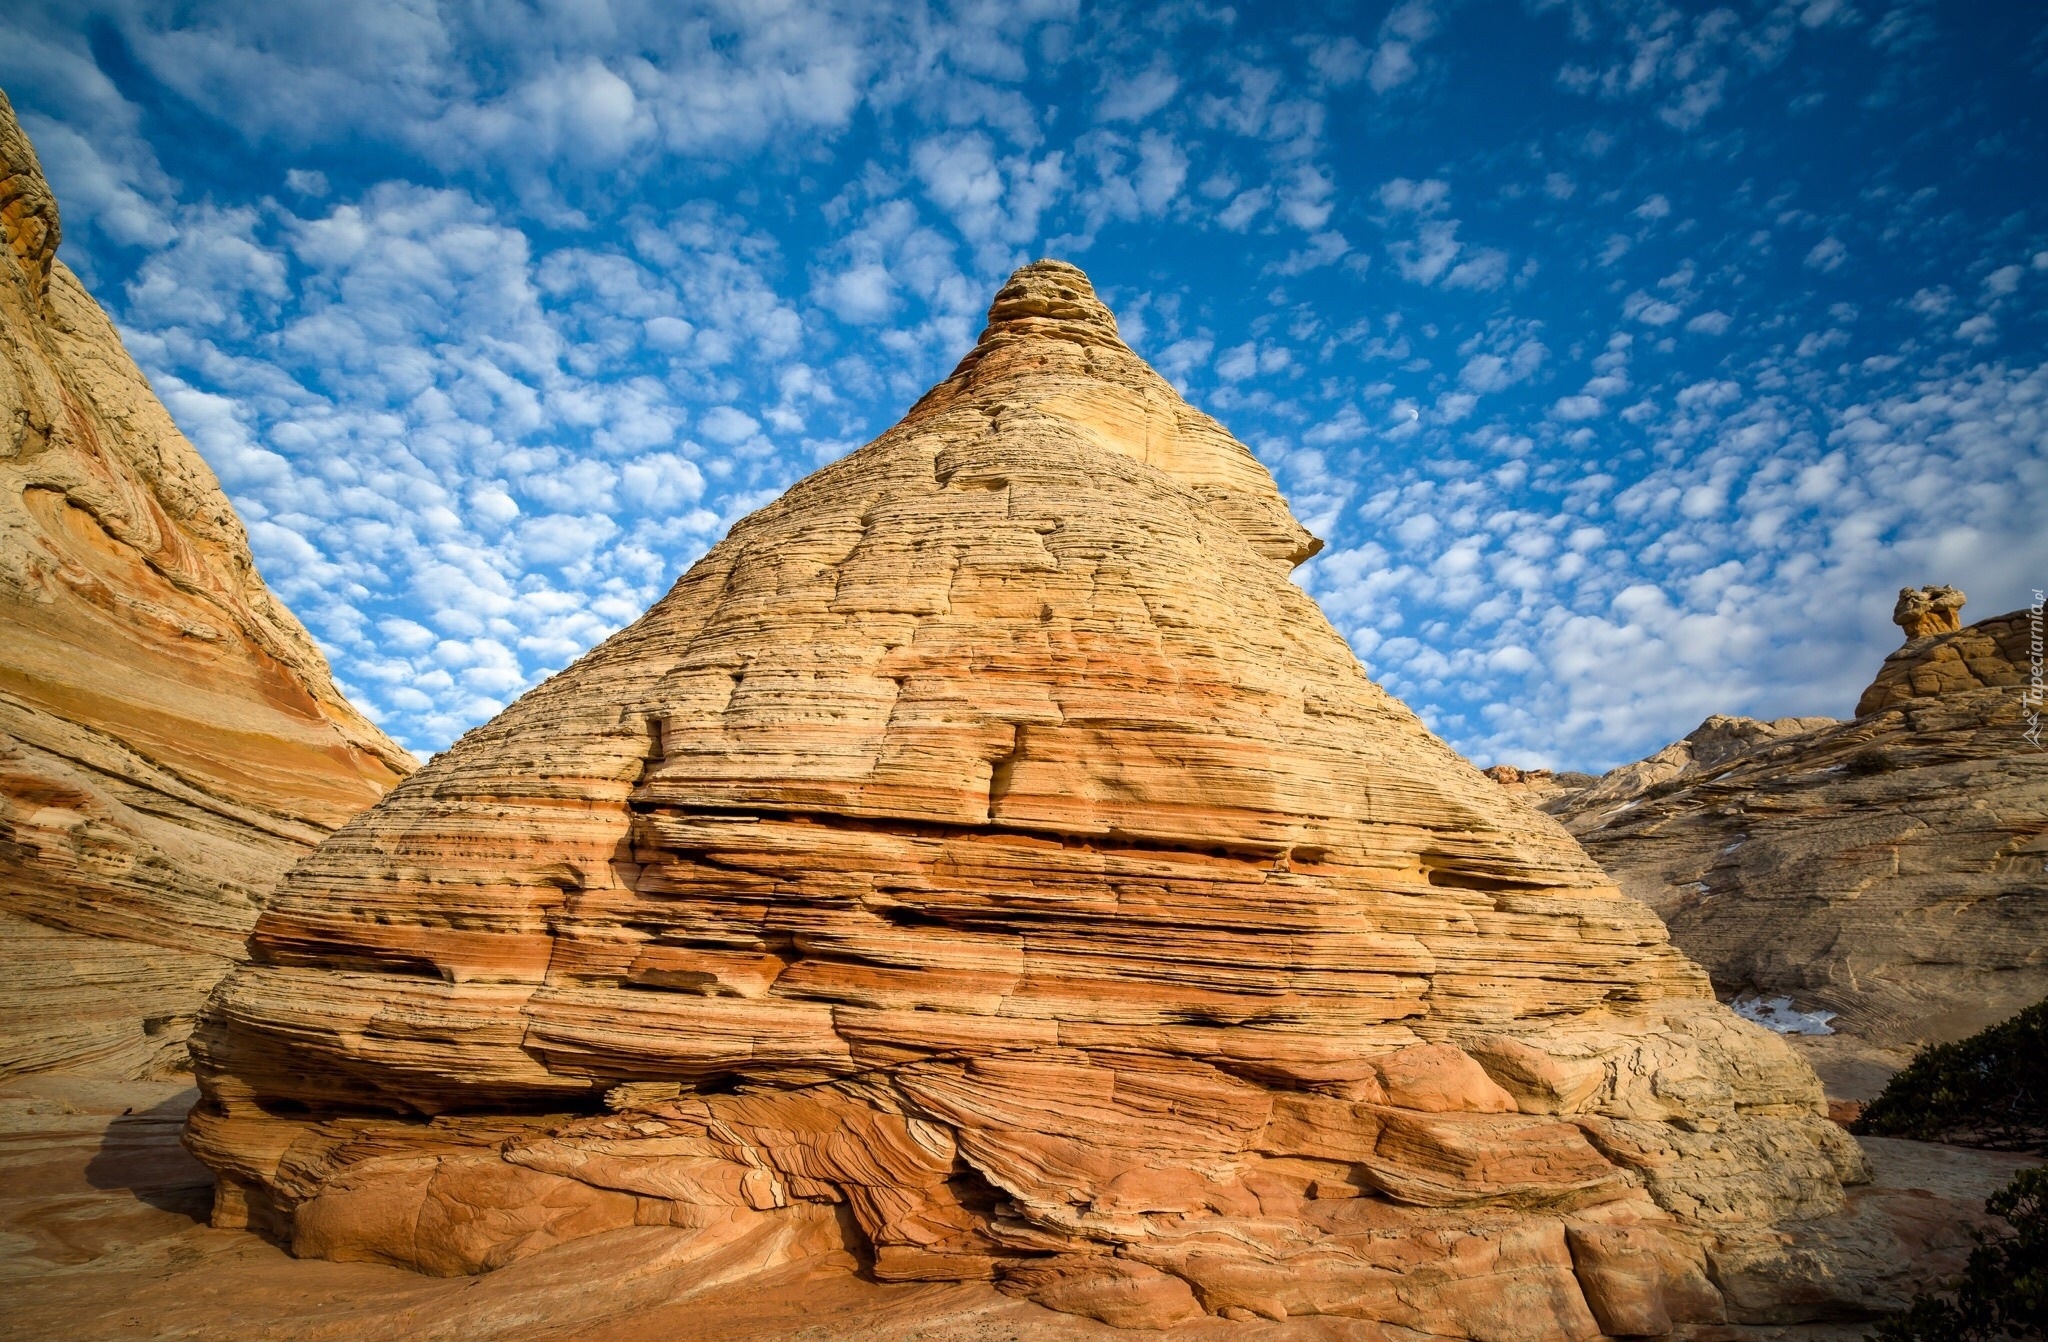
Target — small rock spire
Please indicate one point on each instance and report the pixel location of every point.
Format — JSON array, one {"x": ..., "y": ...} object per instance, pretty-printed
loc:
[{"x": 1930, "y": 610}]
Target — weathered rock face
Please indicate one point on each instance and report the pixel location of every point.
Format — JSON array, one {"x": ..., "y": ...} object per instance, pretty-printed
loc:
[
  {"x": 1889, "y": 869},
  {"x": 170, "y": 739},
  {"x": 987, "y": 844},
  {"x": 1708, "y": 746}
]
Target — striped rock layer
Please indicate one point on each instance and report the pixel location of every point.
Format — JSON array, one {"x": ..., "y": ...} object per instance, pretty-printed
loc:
[
  {"x": 170, "y": 737},
  {"x": 987, "y": 854}
]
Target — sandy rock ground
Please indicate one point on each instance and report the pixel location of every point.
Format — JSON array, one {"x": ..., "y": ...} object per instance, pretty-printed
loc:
[{"x": 103, "y": 1235}]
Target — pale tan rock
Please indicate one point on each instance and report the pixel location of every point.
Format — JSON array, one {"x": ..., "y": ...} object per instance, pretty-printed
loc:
[
  {"x": 170, "y": 737},
  {"x": 1713, "y": 743},
  {"x": 988, "y": 840},
  {"x": 1540, "y": 1081},
  {"x": 1890, "y": 870}
]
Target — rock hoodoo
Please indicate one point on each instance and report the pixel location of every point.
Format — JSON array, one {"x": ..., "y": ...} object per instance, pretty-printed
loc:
[
  {"x": 985, "y": 853},
  {"x": 1888, "y": 869},
  {"x": 170, "y": 738},
  {"x": 1930, "y": 610}
]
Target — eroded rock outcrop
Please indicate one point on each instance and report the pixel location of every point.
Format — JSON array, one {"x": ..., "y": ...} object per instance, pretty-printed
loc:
[
  {"x": 986, "y": 852},
  {"x": 1929, "y": 610},
  {"x": 170, "y": 738},
  {"x": 1892, "y": 869}
]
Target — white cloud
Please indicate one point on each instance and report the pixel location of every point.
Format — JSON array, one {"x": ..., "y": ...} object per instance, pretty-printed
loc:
[
  {"x": 1491, "y": 372},
  {"x": 1406, "y": 27},
  {"x": 2003, "y": 282},
  {"x": 1405, "y": 195},
  {"x": 1135, "y": 97},
  {"x": 1981, "y": 329},
  {"x": 1641, "y": 307},
  {"x": 724, "y": 424},
  {"x": 1392, "y": 66},
  {"x": 1243, "y": 208},
  {"x": 1827, "y": 254},
  {"x": 1428, "y": 255},
  {"x": 1482, "y": 268},
  {"x": 1337, "y": 61}
]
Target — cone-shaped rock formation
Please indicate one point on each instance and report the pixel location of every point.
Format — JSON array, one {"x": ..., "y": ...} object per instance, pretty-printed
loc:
[
  {"x": 170, "y": 738},
  {"x": 987, "y": 853}
]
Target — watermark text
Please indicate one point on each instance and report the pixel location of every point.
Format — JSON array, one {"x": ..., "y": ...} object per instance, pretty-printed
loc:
[{"x": 2031, "y": 696}]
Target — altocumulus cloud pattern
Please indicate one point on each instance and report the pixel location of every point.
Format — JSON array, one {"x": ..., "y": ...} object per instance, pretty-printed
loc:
[{"x": 1628, "y": 354}]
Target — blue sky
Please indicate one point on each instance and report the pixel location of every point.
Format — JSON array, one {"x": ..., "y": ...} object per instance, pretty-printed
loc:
[{"x": 1629, "y": 356}]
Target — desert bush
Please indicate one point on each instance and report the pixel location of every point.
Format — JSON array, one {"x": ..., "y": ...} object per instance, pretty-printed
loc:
[{"x": 1988, "y": 1090}]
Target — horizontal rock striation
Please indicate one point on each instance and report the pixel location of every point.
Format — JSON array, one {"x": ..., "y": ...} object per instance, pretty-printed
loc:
[
  {"x": 1892, "y": 869},
  {"x": 987, "y": 842},
  {"x": 170, "y": 738}
]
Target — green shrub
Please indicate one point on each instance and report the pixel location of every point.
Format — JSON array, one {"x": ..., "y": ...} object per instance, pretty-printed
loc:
[
  {"x": 2004, "y": 1290},
  {"x": 1988, "y": 1090}
]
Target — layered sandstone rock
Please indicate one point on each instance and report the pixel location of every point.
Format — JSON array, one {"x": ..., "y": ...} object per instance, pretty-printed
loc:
[
  {"x": 96, "y": 1201},
  {"x": 1888, "y": 869},
  {"x": 170, "y": 738},
  {"x": 986, "y": 850}
]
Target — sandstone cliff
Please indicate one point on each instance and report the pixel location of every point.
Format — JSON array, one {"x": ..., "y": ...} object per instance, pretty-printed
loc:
[
  {"x": 170, "y": 738},
  {"x": 1889, "y": 869},
  {"x": 988, "y": 855}
]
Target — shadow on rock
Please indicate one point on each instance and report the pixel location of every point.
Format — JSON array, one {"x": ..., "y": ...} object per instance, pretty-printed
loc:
[{"x": 140, "y": 1153}]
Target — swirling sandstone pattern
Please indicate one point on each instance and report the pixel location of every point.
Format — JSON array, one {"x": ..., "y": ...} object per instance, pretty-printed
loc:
[
  {"x": 986, "y": 844},
  {"x": 170, "y": 738}
]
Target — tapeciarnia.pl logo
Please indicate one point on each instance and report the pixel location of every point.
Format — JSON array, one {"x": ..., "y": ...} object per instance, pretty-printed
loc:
[{"x": 2032, "y": 695}]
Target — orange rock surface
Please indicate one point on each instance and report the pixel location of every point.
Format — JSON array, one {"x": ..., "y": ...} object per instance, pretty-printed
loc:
[
  {"x": 986, "y": 853},
  {"x": 100, "y": 1211},
  {"x": 170, "y": 738}
]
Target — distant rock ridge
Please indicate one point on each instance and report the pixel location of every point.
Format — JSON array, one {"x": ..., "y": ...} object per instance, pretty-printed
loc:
[
  {"x": 170, "y": 737},
  {"x": 1888, "y": 869},
  {"x": 986, "y": 854}
]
